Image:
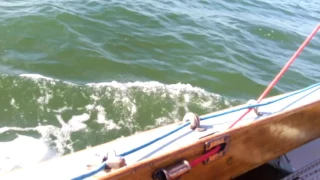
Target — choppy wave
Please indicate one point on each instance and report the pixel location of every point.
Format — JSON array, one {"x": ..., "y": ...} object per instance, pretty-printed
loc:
[{"x": 59, "y": 117}]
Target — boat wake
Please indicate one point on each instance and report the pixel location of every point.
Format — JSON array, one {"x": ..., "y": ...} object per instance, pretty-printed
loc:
[
  {"x": 55, "y": 118},
  {"x": 22, "y": 152}
]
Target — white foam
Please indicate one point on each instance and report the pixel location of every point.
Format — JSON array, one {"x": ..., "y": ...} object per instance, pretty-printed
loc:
[
  {"x": 109, "y": 124},
  {"x": 123, "y": 96},
  {"x": 62, "y": 109},
  {"x": 120, "y": 95},
  {"x": 36, "y": 76},
  {"x": 161, "y": 121},
  {"x": 146, "y": 87},
  {"x": 152, "y": 86},
  {"x": 76, "y": 122},
  {"x": 89, "y": 107},
  {"x": 62, "y": 137},
  {"x": 44, "y": 99},
  {"x": 22, "y": 151},
  {"x": 13, "y": 104}
]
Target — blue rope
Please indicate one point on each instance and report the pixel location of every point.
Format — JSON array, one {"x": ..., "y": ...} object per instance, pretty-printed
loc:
[
  {"x": 155, "y": 140},
  {"x": 298, "y": 99},
  {"x": 91, "y": 173},
  {"x": 261, "y": 104},
  {"x": 104, "y": 165}
]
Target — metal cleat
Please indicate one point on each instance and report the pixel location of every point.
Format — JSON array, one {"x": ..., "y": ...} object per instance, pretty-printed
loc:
[
  {"x": 194, "y": 121},
  {"x": 114, "y": 161}
]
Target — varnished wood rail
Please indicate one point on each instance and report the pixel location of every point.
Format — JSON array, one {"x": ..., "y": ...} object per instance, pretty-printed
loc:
[{"x": 249, "y": 146}]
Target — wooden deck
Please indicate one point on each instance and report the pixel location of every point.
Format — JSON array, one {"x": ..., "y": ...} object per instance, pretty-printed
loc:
[{"x": 250, "y": 146}]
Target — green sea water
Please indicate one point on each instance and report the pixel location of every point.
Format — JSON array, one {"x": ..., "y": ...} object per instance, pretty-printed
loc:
[{"x": 75, "y": 73}]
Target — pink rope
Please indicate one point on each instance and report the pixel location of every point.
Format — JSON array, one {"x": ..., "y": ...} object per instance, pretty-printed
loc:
[
  {"x": 284, "y": 69},
  {"x": 205, "y": 156},
  {"x": 263, "y": 95}
]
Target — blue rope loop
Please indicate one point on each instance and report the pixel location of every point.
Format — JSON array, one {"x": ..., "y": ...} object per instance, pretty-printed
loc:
[
  {"x": 104, "y": 165},
  {"x": 91, "y": 173}
]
